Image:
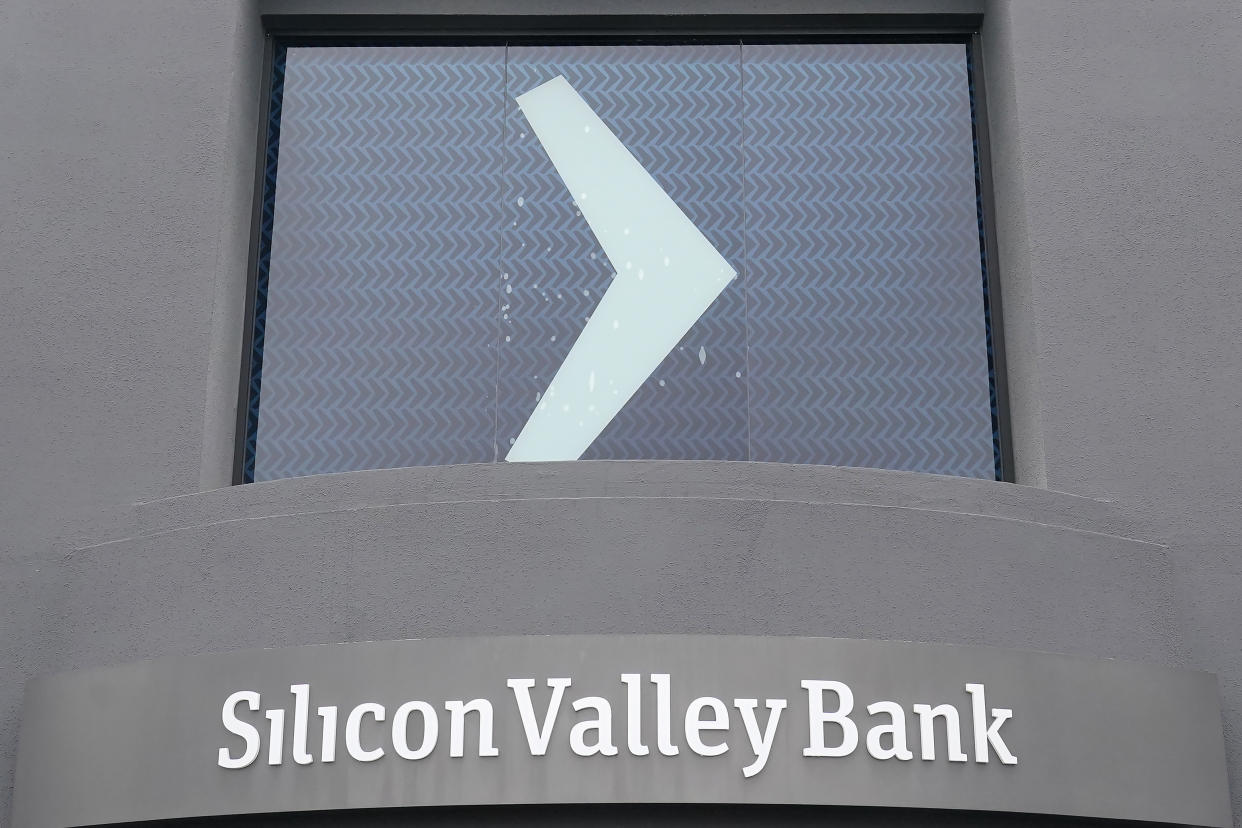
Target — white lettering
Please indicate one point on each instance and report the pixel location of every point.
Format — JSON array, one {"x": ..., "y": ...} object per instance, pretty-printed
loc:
[
  {"x": 664, "y": 714},
  {"x": 927, "y": 731},
  {"x": 538, "y": 737},
  {"x": 275, "y": 736},
  {"x": 601, "y": 724},
  {"x": 986, "y": 734},
  {"x": 634, "y": 714},
  {"x": 457, "y": 726},
  {"x": 401, "y": 734},
  {"x": 896, "y": 728},
  {"x": 327, "y": 744},
  {"x": 301, "y": 713},
  {"x": 760, "y": 744},
  {"x": 592, "y": 734},
  {"x": 353, "y": 732},
  {"x": 695, "y": 725},
  {"x": 234, "y": 725},
  {"x": 818, "y": 718}
]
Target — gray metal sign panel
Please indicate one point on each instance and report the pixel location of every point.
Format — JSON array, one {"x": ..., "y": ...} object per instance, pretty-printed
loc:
[{"x": 664, "y": 719}]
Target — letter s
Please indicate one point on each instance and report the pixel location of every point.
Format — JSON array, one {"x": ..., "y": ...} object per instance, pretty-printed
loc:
[{"x": 237, "y": 727}]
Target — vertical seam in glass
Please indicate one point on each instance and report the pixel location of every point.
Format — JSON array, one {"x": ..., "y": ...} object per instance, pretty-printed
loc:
[
  {"x": 993, "y": 397},
  {"x": 745, "y": 270},
  {"x": 500, "y": 236},
  {"x": 266, "y": 224}
]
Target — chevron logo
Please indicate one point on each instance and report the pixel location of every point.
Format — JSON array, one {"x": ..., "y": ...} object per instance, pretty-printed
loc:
[{"x": 671, "y": 275}]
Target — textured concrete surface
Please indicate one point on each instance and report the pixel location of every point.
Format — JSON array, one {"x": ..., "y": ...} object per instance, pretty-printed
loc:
[
  {"x": 569, "y": 550},
  {"x": 127, "y": 134},
  {"x": 1118, "y": 127},
  {"x": 127, "y": 140},
  {"x": 609, "y": 547}
]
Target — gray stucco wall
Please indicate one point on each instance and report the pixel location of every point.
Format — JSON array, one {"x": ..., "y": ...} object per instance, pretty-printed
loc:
[
  {"x": 1116, "y": 128},
  {"x": 128, "y": 134}
]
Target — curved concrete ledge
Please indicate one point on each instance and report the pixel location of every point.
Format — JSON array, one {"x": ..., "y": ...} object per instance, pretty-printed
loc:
[
  {"x": 512, "y": 481},
  {"x": 616, "y": 547}
]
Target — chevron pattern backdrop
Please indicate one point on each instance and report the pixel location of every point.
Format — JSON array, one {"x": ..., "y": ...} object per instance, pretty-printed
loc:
[
  {"x": 867, "y": 336},
  {"x": 428, "y": 271},
  {"x": 382, "y": 288}
]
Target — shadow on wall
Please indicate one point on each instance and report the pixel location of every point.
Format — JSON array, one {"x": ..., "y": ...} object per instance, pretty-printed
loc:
[{"x": 656, "y": 816}]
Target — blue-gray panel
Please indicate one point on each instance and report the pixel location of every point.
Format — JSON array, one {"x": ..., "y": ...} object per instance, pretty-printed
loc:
[
  {"x": 867, "y": 336},
  {"x": 429, "y": 271},
  {"x": 678, "y": 110},
  {"x": 382, "y": 290}
]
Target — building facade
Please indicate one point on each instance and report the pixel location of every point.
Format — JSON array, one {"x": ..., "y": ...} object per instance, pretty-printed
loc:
[{"x": 1089, "y": 505}]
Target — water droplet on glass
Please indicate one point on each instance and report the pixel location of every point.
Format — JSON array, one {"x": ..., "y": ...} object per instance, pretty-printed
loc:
[
  {"x": 586, "y": 292},
  {"x": 538, "y": 394},
  {"x": 521, "y": 201},
  {"x": 666, "y": 261},
  {"x": 586, "y": 128},
  {"x": 553, "y": 338},
  {"x": 591, "y": 382},
  {"x": 592, "y": 255},
  {"x": 661, "y": 383},
  {"x": 616, "y": 324},
  {"x": 738, "y": 374},
  {"x": 629, "y": 265},
  {"x": 640, "y": 274},
  {"x": 506, "y": 339},
  {"x": 508, "y": 288},
  {"x": 512, "y": 440},
  {"x": 702, "y": 355},
  {"x": 627, "y": 231}
]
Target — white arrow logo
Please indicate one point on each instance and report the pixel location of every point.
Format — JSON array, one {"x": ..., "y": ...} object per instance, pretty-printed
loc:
[{"x": 668, "y": 275}]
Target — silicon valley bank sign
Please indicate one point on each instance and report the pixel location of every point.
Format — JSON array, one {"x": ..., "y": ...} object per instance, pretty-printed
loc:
[
  {"x": 830, "y": 704},
  {"x": 615, "y": 719}
]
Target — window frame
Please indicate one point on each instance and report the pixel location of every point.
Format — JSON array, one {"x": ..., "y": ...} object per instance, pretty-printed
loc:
[{"x": 282, "y": 31}]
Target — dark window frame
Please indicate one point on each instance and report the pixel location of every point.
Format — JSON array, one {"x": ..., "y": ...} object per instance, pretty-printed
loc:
[{"x": 284, "y": 31}]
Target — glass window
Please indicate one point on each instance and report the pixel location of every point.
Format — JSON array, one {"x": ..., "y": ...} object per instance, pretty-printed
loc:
[{"x": 666, "y": 251}]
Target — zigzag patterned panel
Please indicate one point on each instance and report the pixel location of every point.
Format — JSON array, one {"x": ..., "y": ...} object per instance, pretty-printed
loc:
[
  {"x": 678, "y": 110},
  {"x": 428, "y": 271},
  {"x": 380, "y": 328},
  {"x": 867, "y": 339}
]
